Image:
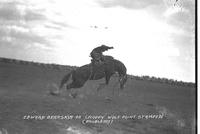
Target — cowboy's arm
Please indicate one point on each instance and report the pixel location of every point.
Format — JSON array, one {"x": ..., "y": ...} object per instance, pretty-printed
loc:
[
  {"x": 99, "y": 50},
  {"x": 104, "y": 48}
]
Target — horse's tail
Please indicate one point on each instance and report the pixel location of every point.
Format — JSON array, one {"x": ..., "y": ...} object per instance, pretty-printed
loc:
[{"x": 65, "y": 79}]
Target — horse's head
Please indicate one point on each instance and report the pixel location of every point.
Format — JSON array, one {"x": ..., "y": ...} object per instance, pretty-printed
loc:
[{"x": 122, "y": 81}]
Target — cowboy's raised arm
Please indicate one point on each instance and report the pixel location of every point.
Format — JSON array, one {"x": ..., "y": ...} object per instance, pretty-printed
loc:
[
  {"x": 99, "y": 50},
  {"x": 104, "y": 48}
]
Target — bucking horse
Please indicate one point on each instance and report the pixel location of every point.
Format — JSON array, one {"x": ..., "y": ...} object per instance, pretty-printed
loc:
[{"x": 97, "y": 71}]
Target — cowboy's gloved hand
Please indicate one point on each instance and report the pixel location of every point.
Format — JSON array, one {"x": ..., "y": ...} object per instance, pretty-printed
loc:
[
  {"x": 107, "y": 47},
  {"x": 111, "y": 47}
]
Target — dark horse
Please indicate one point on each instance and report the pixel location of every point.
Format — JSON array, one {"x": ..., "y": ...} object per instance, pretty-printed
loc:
[{"x": 96, "y": 71}]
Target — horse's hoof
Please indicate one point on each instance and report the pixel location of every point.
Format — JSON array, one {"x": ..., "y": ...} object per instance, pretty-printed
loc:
[
  {"x": 108, "y": 99},
  {"x": 73, "y": 95},
  {"x": 53, "y": 89},
  {"x": 54, "y": 92}
]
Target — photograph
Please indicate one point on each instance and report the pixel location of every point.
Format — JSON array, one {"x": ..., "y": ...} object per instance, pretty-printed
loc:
[{"x": 98, "y": 67}]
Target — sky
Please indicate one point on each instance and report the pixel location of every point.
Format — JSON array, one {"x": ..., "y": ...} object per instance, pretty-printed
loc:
[{"x": 151, "y": 37}]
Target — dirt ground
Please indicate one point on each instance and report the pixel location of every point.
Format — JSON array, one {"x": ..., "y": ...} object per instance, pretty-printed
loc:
[{"x": 143, "y": 107}]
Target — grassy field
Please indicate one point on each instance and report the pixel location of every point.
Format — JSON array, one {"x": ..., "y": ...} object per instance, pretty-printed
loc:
[{"x": 26, "y": 107}]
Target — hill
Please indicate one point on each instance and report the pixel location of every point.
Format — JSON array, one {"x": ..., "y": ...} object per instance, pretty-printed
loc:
[{"x": 144, "y": 106}]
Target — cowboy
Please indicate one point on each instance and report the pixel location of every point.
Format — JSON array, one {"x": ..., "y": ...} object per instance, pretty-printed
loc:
[
  {"x": 97, "y": 53},
  {"x": 98, "y": 57}
]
